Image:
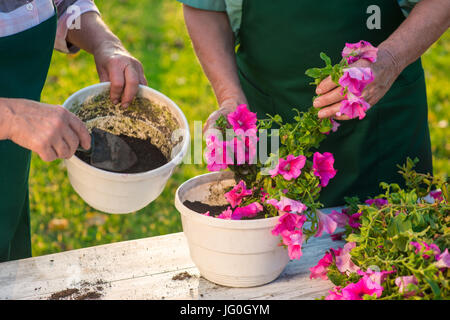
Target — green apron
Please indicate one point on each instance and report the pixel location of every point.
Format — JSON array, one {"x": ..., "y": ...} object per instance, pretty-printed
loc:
[
  {"x": 24, "y": 62},
  {"x": 279, "y": 40}
]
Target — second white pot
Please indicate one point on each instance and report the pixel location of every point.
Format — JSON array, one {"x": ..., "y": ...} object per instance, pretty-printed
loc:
[{"x": 229, "y": 252}]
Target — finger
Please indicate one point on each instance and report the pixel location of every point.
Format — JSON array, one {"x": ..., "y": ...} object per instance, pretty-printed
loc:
[
  {"x": 80, "y": 130},
  {"x": 329, "y": 98},
  {"x": 117, "y": 78},
  {"x": 209, "y": 123},
  {"x": 143, "y": 79},
  {"x": 102, "y": 75},
  {"x": 48, "y": 154},
  {"x": 61, "y": 148},
  {"x": 71, "y": 140},
  {"x": 131, "y": 85},
  {"x": 330, "y": 111},
  {"x": 326, "y": 85},
  {"x": 343, "y": 117}
]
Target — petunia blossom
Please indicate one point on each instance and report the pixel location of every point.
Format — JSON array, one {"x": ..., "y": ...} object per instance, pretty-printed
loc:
[
  {"x": 353, "y": 107},
  {"x": 352, "y": 52},
  {"x": 216, "y": 154},
  {"x": 249, "y": 211},
  {"x": 403, "y": 282},
  {"x": 443, "y": 259},
  {"x": 340, "y": 218},
  {"x": 288, "y": 222},
  {"x": 242, "y": 118},
  {"x": 293, "y": 240},
  {"x": 376, "y": 276},
  {"x": 243, "y": 146},
  {"x": 425, "y": 247},
  {"x": 365, "y": 286},
  {"x": 379, "y": 203},
  {"x": 321, "y": 269},
  {"x": 353, "y": 221},
  {"x": 288, "y": 205},
  {"x": 344, "y": 261},
  {"x": 437, "y": 195},
  {"x": 356, "y": 79},
  {"x": 334, "y": 294},
  {"x": 226, "y": 214},
  {"x": 323, "y": 167},
  {"x": 335, "y": 126},
  {"x": 289, "y": 168},
  {"x": 239, "y": 192},
  {"x": 325, "y": 223}
]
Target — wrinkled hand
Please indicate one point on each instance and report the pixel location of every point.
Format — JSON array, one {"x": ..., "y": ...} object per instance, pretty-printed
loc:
[
  {"x": 385, "y": 72},
  {"x": 50, "y": 131},
  {"x": 125, "y": 73},
  {"x": 226, "y": 107}
]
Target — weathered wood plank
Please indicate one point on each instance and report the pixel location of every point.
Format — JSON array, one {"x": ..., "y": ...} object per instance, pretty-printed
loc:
[{"x": 144, "y": 268}]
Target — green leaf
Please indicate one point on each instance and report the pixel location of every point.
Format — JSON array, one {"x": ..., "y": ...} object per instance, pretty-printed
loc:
[{"x": 325, "y": 58}]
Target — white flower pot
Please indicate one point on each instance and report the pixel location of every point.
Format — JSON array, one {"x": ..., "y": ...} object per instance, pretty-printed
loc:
[
  {"x": 117, "y": 192},
  {"x": 228, "y": 252}
]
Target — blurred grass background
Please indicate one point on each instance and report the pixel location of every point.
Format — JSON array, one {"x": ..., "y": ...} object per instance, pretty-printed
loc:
[{"x": 154, "y": 32}]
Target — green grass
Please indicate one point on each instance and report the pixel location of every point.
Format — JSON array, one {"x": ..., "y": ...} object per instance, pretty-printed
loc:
[{"x": 154, "y": 32}]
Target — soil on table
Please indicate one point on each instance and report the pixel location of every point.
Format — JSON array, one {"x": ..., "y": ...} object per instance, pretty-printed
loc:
[
  {"x": 148, "y": 155},
  {"x": 182, "y": 276},
  {"x": 86, "y": 291},
  {"x": 201, "y": 207}
]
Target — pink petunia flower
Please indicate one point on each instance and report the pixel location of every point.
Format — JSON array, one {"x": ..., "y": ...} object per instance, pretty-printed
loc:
[
  {"x": 335, "y": 294},
  {"x": 321, "y": 269},
  {"x": 288, "y": 205},
  {"x": 344, "y": 261},
  {"x": 243, "y": 146},
  {"x": 335, "y": 125},
  {"x": 293, "y": 240},
  {"x": 423, "y": 246},
  {"x": 356, "y": 79},
  {"x": 443, "y": 259},
  {"x": 352, "y": 52},
  {"x": 216, "y": 154},
  {"x": 289, "y": 168},
  {"x": 226, "y": 214},
  {"x": 437, "y": 195},
  {"x": 340, "y": 218},
  {"x": 379, "y": 203},
  {"x": 242, "y": 118},
  {"x": 239, "y": 192},
  {"x": 337, "y": 236},
  {"x": 403, "y": 282},
  {"x": 376, "y": 276},
  {"x": 249, "y": 211},
  {"x": 288, "y": 222},
  {"x": 323, "y": 167},
  {"x": 206, "y": 214},
  {"x": 353, "y": 107},
  {"x": 353, "y": 221},
  {"x": 357, "y": 291},
  {"x": 325, "y": 223}
]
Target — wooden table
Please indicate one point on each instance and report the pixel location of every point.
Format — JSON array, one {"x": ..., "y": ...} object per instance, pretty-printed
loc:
[{"x": 149, "y": 268}]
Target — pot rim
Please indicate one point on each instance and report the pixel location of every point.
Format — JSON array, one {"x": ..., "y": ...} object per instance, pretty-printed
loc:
[
  {"x": 215, "y": 222},
  {"x": 114, "y": 176}
]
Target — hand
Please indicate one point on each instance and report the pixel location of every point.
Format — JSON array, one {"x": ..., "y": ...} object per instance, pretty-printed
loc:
[
  {"x": 385, "y": 72},
  {"x": 50, "y": 131},
  {"x": 125, "y": 73},
  {"x": 226, "y": 107}
]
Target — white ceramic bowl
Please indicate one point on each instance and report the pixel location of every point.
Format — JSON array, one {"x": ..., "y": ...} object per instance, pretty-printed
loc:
[
  {"x": 229, "y": 252},
  {"x": 117, "y": 192}
]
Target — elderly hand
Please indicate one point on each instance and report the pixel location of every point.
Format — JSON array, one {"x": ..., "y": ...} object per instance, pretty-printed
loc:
[
  {"x": 125, "y": 73},
  {"x": 226, "y": 107},
  {"x": 385, "y": 71}
]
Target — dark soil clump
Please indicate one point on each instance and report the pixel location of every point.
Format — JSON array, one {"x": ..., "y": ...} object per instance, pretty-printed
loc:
[
  {"x": 182, "y": 276},
  {"x": 201, "y": 207},
  {"x": 63, "y": 294},
  {"x": 86, "y": 291},
  {"x": 149, "y": 156}
]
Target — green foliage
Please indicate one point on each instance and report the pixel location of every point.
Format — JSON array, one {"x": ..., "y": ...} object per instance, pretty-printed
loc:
[{"x": 385, "y": 236}]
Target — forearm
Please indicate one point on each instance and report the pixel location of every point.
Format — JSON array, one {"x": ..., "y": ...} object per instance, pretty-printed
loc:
[
  {"x": 213, "y": 42},
  {"x": 6, "y": 114},
  {"x": 426, "y": 23},
  {"x": 93, "y": 34}
]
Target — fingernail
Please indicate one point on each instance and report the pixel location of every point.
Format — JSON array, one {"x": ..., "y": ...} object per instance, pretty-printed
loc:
[
  {"x": 319, "y": 91},
  {"x": 115, "y": 101},
  {"x": 316, "y": 102},
  {"x": 125, "y": 105}
]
